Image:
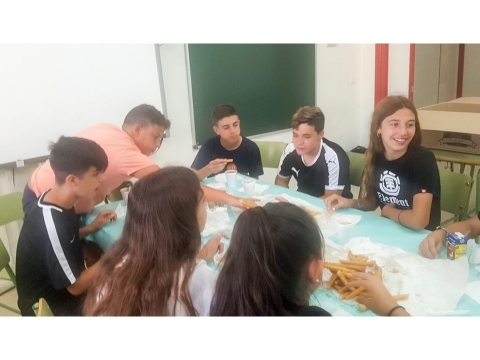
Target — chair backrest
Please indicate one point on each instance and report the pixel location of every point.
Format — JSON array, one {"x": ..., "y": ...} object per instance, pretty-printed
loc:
[
  {"x": 115, "y": 194},
  {"x": 10, "y": 210},
  {"x": 271, "y": 152},
  {"x": 455, "y": 193},
  {"x": 357, "y": 164}
]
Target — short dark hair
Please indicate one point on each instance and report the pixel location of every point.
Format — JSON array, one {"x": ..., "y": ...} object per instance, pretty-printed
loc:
[
  {"x": 75, "y": 155},
  {"x": 311, "y": 115},
  {"x": 222, "y": 111},
  {"x": 146, "y": 115}
]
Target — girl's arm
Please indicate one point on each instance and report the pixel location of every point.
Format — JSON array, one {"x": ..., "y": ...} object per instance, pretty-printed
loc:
[{"x": 417, "y": 218}]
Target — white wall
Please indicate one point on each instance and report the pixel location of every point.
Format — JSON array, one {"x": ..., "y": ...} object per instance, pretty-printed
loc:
[{"x": 398, "y": 69}]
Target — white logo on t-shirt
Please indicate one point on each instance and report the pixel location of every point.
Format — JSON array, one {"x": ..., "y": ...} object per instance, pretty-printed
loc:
[
  {"x": 389, "y": 183},
  {"x": 73, "y": 239},
  {"x": 295, "y": 170}
]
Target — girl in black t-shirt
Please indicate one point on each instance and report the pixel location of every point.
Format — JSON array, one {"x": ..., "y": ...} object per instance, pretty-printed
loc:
[{"x": 400, "y": 175}]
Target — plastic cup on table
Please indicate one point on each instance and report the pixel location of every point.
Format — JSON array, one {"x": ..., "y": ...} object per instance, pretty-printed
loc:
[
  {"x": 249, "y": 187},
  {"x": 344, "y": 231},
  {"x": 231, "y": 177}
]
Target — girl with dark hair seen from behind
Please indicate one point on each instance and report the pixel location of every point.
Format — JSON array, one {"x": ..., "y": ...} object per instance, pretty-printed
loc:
[
  {"x": 400, "y": 175},
  {"x": 284, "y": 250},
  {"x": 154, "y": 268}
]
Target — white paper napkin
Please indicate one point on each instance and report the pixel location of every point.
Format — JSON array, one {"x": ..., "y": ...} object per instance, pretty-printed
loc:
[
  {"x": 217, "y": 220},
  {"x": 473, "y": 290},
  {"x": 435, "y": 286},
  {"x": 121, "y": 210}
]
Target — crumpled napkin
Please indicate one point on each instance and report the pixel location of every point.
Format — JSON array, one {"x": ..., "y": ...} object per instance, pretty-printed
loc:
[{"x": 217, "y": 220}]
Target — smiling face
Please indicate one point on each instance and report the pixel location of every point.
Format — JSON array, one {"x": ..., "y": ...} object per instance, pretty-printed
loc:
[
  {"x": 307, "y": 140},
  {"x": 396, "y": 132}
]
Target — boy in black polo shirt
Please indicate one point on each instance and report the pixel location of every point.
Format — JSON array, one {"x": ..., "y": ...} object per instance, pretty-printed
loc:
[
  {"x": 50, "y": 262},
  {"x": 229, "y": 144},
  {"x": 320, "y": 166}
]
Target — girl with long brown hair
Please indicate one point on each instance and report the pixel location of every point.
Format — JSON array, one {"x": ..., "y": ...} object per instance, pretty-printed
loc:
[
  {"x": 153, "y": 268},
  {"x": 400, "y": 175}
]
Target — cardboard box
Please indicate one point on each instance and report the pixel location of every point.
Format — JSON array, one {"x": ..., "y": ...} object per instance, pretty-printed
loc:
[
  {"x": 466, "y": 100},
  {"x": 453, "y": 126}
]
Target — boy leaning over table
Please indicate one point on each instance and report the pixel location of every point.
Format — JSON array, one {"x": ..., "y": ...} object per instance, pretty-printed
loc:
[
  {"x": 431, "y": 246},
  {"x": 49, "y": 261},
  {"x": 320, "y": 166},
  {"x": 229, "y": 144}
]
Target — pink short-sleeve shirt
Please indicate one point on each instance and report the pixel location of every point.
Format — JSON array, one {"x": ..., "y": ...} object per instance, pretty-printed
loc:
[{"x": 124, "y": 158}]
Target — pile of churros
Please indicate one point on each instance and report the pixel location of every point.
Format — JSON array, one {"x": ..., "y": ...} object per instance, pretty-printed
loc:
[{"x": 342, "y": 273}]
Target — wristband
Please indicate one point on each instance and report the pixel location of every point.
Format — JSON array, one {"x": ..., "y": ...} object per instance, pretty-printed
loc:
[
  {"x": 395, "y": 308},
  {"x": 446, "y": 232}
]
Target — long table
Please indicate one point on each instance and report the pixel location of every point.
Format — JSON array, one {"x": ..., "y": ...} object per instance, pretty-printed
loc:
[{"x": 376, "y": 228}]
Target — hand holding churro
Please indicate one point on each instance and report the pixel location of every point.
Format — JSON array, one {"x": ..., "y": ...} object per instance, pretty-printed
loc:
[{"x": 350, "y": 279}]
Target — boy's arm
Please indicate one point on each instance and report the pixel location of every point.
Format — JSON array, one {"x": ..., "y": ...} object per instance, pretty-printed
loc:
[
  {"x": 84, "y": 281},
  {"x": 281, "y": 181}
]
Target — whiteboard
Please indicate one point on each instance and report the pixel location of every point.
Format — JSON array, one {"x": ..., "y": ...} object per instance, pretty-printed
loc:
[{"x": 49, "y": 90}]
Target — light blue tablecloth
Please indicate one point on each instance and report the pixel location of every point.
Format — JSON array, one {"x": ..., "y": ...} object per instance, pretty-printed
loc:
[{"x": 378, "y": 229}]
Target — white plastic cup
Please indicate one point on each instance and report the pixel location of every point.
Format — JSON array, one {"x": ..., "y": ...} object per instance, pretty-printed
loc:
[
  {"x": 231, "y": 177},
  {"x": 249, "y": 186},
  {"x": 124, "y": 193},
  {"x": 344, "y": 230}
]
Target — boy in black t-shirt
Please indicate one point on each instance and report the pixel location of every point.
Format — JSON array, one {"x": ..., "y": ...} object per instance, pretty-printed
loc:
[
  {"x": 50, "y": 262},
  {"x": 320, "y": 166},
  {"x": 242, "y": 154}
]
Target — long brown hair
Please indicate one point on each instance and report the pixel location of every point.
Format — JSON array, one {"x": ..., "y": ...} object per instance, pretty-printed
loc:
[
  {"x": 266, "y": 266},
  {"x": 388, "y": 106},
  {"x": 155, "y": 256}
]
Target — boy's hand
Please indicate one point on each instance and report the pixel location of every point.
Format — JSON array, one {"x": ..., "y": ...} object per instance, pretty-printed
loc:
[
  {"x": 103, "y": 218},
  {"x": 431, "y": 246},
  {"x": 217, "y": 165}
]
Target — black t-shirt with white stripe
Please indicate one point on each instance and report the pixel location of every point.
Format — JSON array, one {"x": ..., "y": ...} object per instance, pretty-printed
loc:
[
  {"x": 49, "y": 259},
  {"x": 328, "y": 171}
]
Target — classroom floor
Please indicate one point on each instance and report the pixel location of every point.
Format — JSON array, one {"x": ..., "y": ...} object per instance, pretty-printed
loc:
[{"x": 10, "y": 298}]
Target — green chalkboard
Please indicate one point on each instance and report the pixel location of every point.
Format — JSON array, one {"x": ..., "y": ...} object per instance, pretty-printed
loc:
[{"x": 266, "y": 83}]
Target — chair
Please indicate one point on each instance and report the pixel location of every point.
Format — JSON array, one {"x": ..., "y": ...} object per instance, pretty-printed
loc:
[
  {"x": 271, "y": 152},
  {"x": 115, "y": 194},
  {"x": 10, "y": 210},
  {"x": 455, "y": 194},
  {"x": 357, "y": 164},
  {"x": 41, "y": 308}
]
